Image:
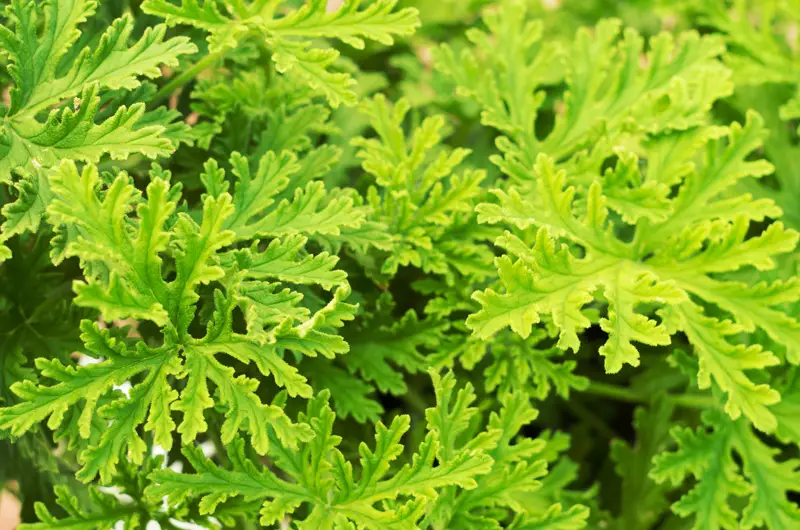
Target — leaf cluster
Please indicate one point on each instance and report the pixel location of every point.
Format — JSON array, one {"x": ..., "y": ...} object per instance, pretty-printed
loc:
[{"x": 388, "y": 264}]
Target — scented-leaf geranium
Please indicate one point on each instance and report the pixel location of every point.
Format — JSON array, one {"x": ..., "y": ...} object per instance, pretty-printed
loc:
[
  {"x": 319, "y": 475},
  {"x": 339, "y": 264},
  {"x": 763, "y": 45},
  {"x": 580, "y": 248},
  {"x": 763, "y": 56},
  {"x": 669, "y": 264},
  {"x": 420, "y": 195},
  {"x": 708, "y": 455},
  {"x": 54, "y": 109},
  {"x": 416, "y": 495},
  {"x": 612, "y": 92},
  {"x": 289, "y": 34},
  {"x": 519, "y": 464},
  {"x": 125, "y": 278},
  {"x": 116, "y": 62}
]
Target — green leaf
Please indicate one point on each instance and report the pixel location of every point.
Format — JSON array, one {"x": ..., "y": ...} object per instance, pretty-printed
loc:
[
  {"x": 707, "y": 454},
  {"x": 378, "y": 22},
  {"x": 39, "y": 85},
  {"x": 519, "y": 463},
  {"x": 26, "y": 212},
  {"x": 382, "y": 342},
  {"x": 642, "y": 500},
  {"x": 111, "y": 512},
  {"x": 424, "y": 203},
  {"x": 131, "y": 285},
  {"x": 661, "y": 266},
  {"x": 525, "y": 365},
  {"x": 281, "y": 262},
  {"x": 287, "y": 35},
  {"x": 351, "y": 396},
  {"x": 786, "y": 410},
  {"x": 556, "y": 518},
  {"x": 87, "y": 385},
  {"x": 614, "y": 87},
  {"x": 123, "y": 259},
  {"x": 319, "y": 475},
  {"x": 727, "y": 363}
]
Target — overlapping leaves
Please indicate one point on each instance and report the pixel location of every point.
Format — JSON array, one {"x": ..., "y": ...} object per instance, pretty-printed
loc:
[
  {"x": 40, "y": 85},
  {"x": 216, "y": 293},
  {"x": 624, "y": 232},
  {"x": 123, "y": 258},
  {"x": 671, "y": 264},
  {"x": 89, "y": 86},
  {"x": 728, "y": 459},
  {"x": 289, "y": 34},
  {"x": 427, "y": 206},
  {"x": 417, "y": 495}
]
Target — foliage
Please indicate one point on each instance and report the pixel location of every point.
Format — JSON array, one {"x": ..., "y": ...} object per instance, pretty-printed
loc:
[{"x": 396, "y": 264}]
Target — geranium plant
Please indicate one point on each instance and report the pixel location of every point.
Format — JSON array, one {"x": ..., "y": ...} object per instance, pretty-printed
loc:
[{"x": 393, "y": 264}]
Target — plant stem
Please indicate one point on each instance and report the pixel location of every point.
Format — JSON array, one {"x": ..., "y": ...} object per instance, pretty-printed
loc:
[
  {"x": 593, "y": 420},
  {"x": 695, "y": 401},
  {"x": 413, "y": 398},
  {"x": 187, "y": 75}
]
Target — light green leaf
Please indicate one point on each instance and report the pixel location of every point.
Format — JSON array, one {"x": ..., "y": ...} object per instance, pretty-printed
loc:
[
  {"x": 112, "y": 64},
  {"x": 319, "y": 475}
]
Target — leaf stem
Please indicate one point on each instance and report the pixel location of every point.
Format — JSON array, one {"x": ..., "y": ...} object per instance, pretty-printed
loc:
[
  {"x": 413, "y": 398},
  {"x": 583, "y": 413},
  {"x": 694, "y": 401},
  {"x": 187, "y": 75}
]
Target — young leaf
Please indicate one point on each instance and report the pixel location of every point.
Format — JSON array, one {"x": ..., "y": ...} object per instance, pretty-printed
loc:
[
  {"x": 319, "y": 475},
  {"x": 288, "y": 35},
  {"x": 39, "y": 85}
]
